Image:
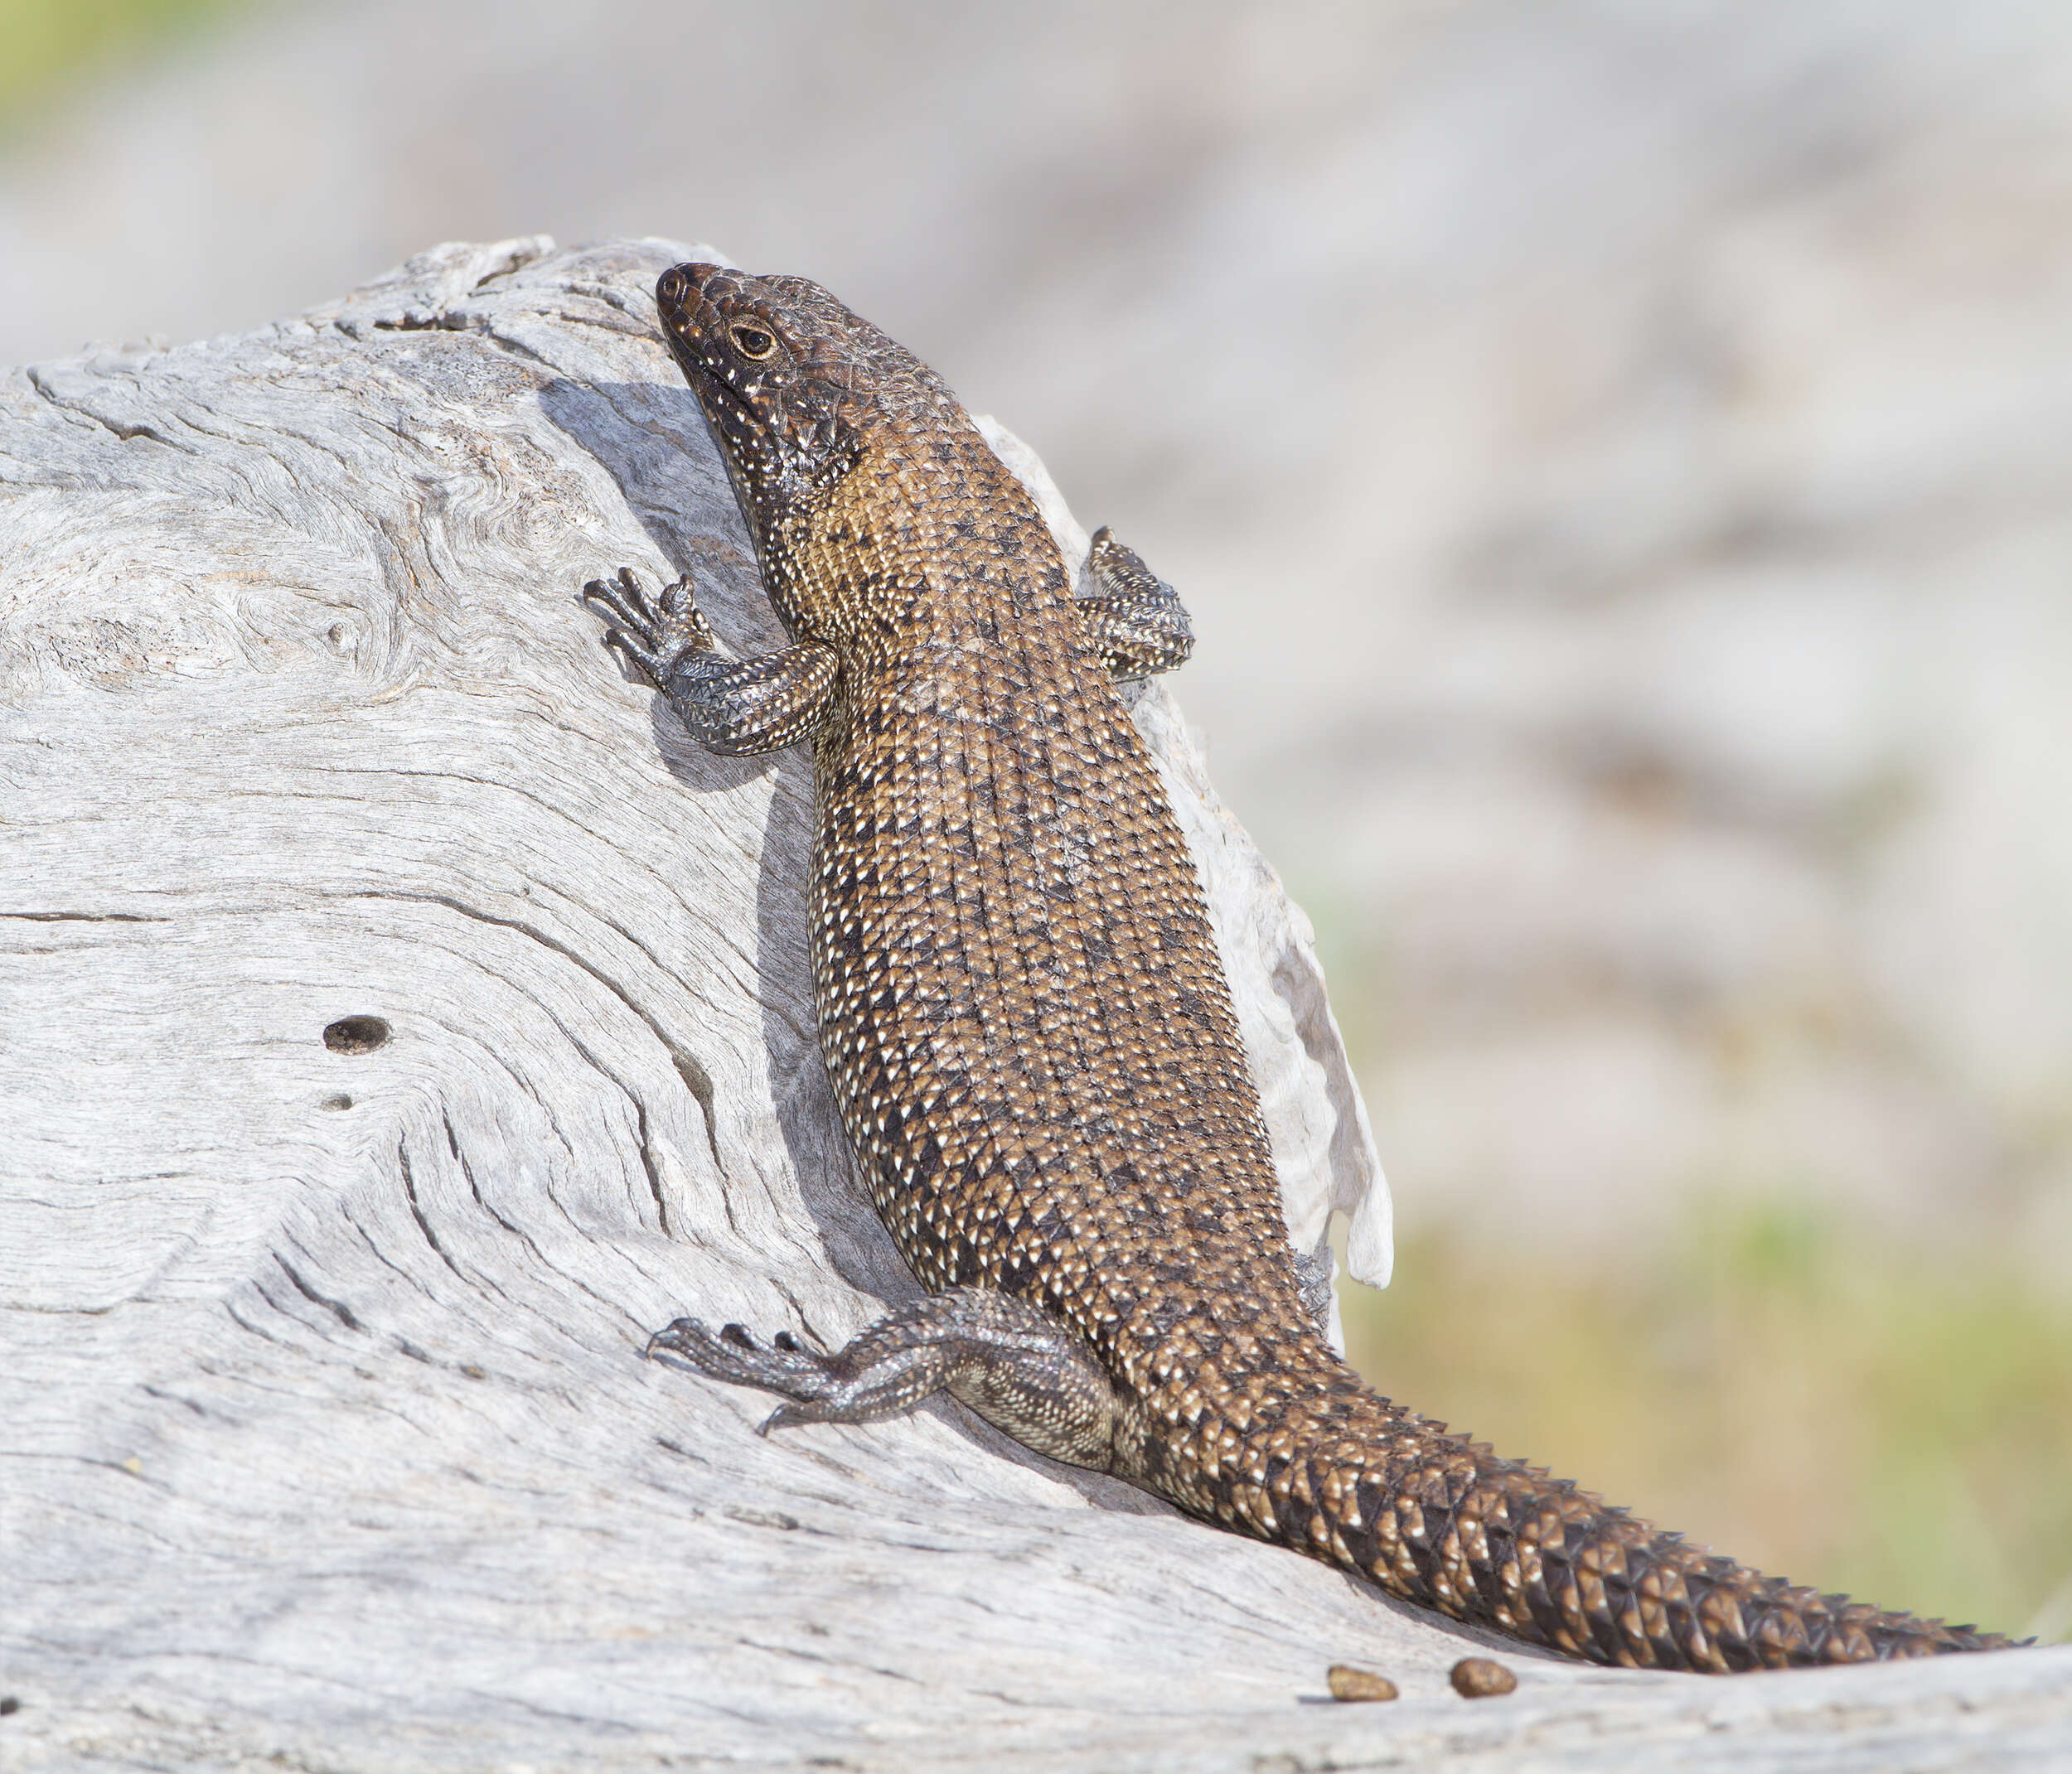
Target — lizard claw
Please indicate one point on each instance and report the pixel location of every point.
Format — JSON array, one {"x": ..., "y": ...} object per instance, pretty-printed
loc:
[
  {"x": 673, "y": 1336},
  {"x": 623, "y": 599},
  {"x": 732, "y": 1353}
]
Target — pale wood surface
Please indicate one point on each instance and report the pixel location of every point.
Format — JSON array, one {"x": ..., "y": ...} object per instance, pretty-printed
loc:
[{"x": 323, "y": 1433}]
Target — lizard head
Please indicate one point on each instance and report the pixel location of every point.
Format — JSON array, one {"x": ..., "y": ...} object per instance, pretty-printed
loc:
[{"x": 793, "y": 384}]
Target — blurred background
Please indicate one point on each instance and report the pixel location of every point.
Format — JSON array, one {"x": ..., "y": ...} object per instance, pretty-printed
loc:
[{"x": 1620, "y": 456}]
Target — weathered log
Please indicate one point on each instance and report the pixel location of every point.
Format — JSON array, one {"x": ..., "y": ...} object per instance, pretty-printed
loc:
[{"x": 402, "y": 1018}]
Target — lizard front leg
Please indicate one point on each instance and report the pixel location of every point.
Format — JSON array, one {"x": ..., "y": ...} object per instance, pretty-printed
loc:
[
  {"x": 1014, "y": 1364},
  {"x": 737, "y": 708},
  {"x": 1134, "y": 619}
]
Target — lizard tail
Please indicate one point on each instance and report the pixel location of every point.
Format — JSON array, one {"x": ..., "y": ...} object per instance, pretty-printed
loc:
[{"x": 1441, "y": 1522}]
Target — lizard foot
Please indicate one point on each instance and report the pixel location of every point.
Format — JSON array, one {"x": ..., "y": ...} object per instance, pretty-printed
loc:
[
  {"x": 730, "y": 1353},
  {"x": 1133, "y": 619},
  {"x": 654, "y": 634},
  {"x": 737, "y": 708},
  {"x": 1017, "y": 1366}
]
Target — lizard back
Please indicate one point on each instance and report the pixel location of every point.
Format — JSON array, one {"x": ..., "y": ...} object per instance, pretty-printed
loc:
[{"x": 1025, "y": 1018}]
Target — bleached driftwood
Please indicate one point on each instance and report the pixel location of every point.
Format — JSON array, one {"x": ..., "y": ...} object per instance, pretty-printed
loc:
[{"x": 402, "y": 1018}]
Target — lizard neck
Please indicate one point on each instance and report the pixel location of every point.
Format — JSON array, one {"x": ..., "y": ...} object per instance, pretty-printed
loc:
[{"x": 927, "y": 540}]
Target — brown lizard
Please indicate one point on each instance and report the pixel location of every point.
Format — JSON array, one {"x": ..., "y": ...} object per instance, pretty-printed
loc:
[{"x": 1033, "y": 1044}]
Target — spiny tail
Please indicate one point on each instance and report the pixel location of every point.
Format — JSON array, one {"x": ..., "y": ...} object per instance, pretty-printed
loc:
[{"x": 1441, "y": 1522}]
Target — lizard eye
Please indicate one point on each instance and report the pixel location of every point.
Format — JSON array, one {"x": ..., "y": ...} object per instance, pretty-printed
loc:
[{"x": 753, "y": 342}]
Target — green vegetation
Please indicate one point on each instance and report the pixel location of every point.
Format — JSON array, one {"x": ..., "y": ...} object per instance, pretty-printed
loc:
[
  {"x": 1852, "y": 1415},
  {"x": 46, "y": 45}
]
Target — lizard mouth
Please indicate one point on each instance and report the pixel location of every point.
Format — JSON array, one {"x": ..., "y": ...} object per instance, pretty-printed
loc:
[
  {"x": 688, "y": 319},
  {"x": 692, "y": 301}
]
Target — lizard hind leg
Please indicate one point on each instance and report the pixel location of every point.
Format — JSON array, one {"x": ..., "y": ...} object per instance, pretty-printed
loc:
[{"x": 1014, "y": 1364}]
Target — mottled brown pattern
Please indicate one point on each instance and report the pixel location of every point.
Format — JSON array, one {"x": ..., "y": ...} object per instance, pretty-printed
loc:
[{"x": 1029, "y": 1031}]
